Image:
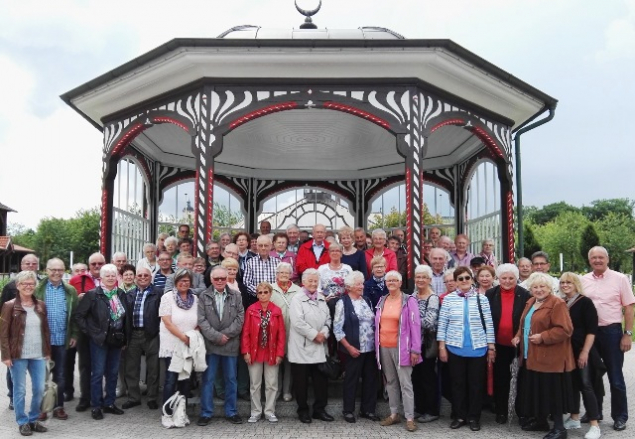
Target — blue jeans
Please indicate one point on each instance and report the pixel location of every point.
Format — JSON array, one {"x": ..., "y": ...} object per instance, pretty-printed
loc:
[
  {"x": 607, "y": 342},
  {"x": 172, "y": 383},
  {"x": 58, "y": 355},
  {"x": 37, "y": 370},
  {"x": 104, "y": 363},
  {"x": 229, "y": 370}
]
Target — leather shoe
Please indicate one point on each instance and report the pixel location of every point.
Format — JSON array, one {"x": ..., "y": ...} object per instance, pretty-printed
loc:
[
  {"x": 68, "y": 397},
  {"x": 234, "y": 419},
  {"x": 10, "y": 404},
  {"x": 82, "y": 406},
  {"x": 113, "y": 410},
  {"x": 457, "y": 423},
  {"x": 501, "y": 419},
  {"x": 585, "y": 418},
  {"x": 203, "y": 420},
  {"x": 349, "y": 417},
  {"x": 475, "y": 425},
  {"x": 323, "y": 416},
  {"x": 556, "y": 434},
  {"x": 97, "y": 414},
  {"x": 153, "y": 405},
  {"x": 43, "y": 417},
  {"x": 60, "y": 414},
  {"x": 130, "y": 404},
  {"x": 372, "y": 416},
  {"x": 38, "y": 427},
  {"x": 536, "y": 425},
  {"x": 304, "y": 418},
  {"x": 619, "y": 425}
]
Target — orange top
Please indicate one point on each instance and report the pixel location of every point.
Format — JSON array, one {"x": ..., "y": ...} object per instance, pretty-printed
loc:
[{"x": 389, "y": 323}]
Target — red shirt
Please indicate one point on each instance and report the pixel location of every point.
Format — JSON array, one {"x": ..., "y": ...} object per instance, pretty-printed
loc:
[{"x": 506, "y": 326}]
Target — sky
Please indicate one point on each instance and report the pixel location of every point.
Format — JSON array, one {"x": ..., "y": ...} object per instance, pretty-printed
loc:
[{"x": 581, "y": 53}]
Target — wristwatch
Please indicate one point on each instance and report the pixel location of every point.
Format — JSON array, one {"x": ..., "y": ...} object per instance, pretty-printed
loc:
[{"x": 629, "y": 333}]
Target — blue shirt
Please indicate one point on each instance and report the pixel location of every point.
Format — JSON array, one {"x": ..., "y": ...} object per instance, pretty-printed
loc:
[
  {"x": 467, "y": 350},
  {"x": 56, "y": 313},
  {"x": 527, "y": 330}
]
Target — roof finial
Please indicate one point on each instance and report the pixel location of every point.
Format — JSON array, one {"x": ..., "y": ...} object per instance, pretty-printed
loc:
[{"x": 308, "y": 22}]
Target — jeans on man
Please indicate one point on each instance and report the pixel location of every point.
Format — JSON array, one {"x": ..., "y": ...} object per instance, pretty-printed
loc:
[
  {"x": 607, "y": 342},
  {"x": 229, "y": 370},
  {"x": 58, "y": 355},
  {"x": 105, "y": 363},
  {"x": 37, "y": 371}
]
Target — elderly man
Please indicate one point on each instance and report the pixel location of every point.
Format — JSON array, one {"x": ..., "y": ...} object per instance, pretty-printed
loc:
[
  {"x": 29, "y": 262},
  {"x": 265, "y": 227},
  {"x": 293, "y": 232},
  {"x": 428, "y": 245},
  {"x": 360, "y": 239},
  {"x": 224, "y": 239},
  {"x": 142, "y": 331},
  {"x": 83, "y": 283},
  {"x": 437, "y": 263},
  {"x": 612, "y": 295},
  {"x": 220, "y": 318},
  {"x": 165, "y": 270},
  {"x": 261, "y": 268},
  {"x": 186, "y": 260},
  {"x": 119, "y": 259},
  {"x": 540, "y": 263},
  {"x": 434, "y": 235},
  {"x": 214, "y": 258},
  {"x": 184, "y": 231},
  {"x": 314, "y": 252},
  {"x": 61, "y": 301},
  {"x": 78, "y": 268},
  {"x": 461, "y": 255},
  {"x": 524, "y": 269}
]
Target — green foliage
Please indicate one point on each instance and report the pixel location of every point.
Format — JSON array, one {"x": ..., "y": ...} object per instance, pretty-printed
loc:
[
  {"x": 548, "y": 213},
  {"x": 563, "y": 235},
  {"x": 398, "y": 219},
  {"x": 599, "y": 209},
  {"x": 588, "y": 240},
  {"x": 617, "y": 234},
  {"x": 224, "y": 217},
  {"x": 531, "y": 244}
]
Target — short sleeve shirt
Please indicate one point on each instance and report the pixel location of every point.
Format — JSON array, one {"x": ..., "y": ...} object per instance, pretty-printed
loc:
[{"x": 610, "y": 292}]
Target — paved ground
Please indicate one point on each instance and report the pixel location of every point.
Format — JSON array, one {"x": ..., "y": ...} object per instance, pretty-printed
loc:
[{"x": 140, "y": 422}]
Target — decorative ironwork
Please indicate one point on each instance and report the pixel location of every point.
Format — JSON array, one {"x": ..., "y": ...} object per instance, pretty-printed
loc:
[{"x": 308, "y": 13}]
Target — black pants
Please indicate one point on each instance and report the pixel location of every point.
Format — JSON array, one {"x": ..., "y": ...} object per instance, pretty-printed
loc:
[
  {"x": 83, "y": 354},
  {"x": 300, "y": 374},
  {"x": 364, "y": 366},
  {"x": 583, "y": 383},
  {"x": 426, "y": 387},
  {"x": 468, "y": 384},
  {"x": 502, "y": 376}
]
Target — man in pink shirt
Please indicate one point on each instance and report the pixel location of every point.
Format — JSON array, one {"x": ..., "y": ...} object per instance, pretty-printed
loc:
[{"x": 613, "y": 297}]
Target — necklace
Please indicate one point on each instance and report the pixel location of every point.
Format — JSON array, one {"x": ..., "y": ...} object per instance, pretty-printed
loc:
[{"x": 540, "y": 301}]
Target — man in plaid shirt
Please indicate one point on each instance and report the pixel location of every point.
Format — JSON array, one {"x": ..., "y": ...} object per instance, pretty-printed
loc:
[{"x": 261, "y": 268}]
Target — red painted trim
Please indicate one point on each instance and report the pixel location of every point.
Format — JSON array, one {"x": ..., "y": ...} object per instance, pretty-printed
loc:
[
  {"x": 357, "y": 112},
  {"x": 164, "y": 119},
  {"x": 448, "y": 122},
  {"x": 262, "y": 112},
  {"x": 511, "y": 249},
  {"x": 133, "y": 132},
  {"x": 104, "y": 221},
  {"x": 488, "y": 141}
]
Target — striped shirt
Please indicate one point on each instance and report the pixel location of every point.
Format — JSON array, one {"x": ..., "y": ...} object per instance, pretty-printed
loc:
[
  {"x": 160, "y": 279},
  {"x": 259, "y": 270},
  {"x": 56, "y": 312},
  {"x": 438, "y": 286}
]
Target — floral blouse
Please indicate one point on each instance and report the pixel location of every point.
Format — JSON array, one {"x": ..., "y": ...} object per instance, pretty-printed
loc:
[
  {"x": 332, "y": 281},
  {"x": 366, "y": 318}
]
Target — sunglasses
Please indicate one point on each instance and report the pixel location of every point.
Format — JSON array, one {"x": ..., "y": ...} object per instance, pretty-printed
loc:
[
  {"x": 463, "y": 278},
  {"x": 218, "y": 279},
  {"x": 262, "y": 292}
]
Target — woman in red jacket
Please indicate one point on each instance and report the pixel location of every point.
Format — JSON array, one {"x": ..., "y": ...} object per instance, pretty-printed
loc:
[{"x": 262, "y": 344}]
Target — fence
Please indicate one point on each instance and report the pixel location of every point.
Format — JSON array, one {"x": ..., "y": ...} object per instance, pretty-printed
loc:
[
  {"x": 485, "y": 227},
  {"x": 129, "y": 233}
]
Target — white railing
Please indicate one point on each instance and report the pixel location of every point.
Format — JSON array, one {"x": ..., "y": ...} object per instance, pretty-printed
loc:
[
  {"x": 485, "y": 227},
  {"x": 129, "y": 233}
]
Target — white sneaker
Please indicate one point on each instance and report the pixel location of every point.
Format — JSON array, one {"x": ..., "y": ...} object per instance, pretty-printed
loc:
[
  {"x": 272, "y": 418},
  {"x": 253, "y": 418},
  {"x": 571, "y": 424},
  {"x": 593, "y": 433}
]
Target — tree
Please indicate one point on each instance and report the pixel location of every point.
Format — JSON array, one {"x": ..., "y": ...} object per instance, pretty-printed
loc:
[
  {"x": 531, "y": 244},
  {"x": 398, "y": 219},
  {"x": 601, "y": 208},
  {"x": 588, "y": 240},
  {"x": 562, "y": 235},
  {"x": 224, "y": 217},
  {"x": 617, "y": 234},
  {"x": 549, "y": 212}
]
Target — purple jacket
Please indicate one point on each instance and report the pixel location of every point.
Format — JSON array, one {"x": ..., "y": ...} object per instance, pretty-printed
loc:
[
  {"x": 288, "y": 257},
  {"x": 409, "y": 329}
]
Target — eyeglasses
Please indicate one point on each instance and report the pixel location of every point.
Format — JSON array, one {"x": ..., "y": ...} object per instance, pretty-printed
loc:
[
  {"x": 143, "y": 275},
  {"x": 463, "y": 278},
  {"x": 566, "y": 282},
  {"x": 218, "y": 279},
  {"x": 96, "y": 264},
  {"x": 165, "y": 259},
  {"x": 392, "y": 280},
  {"x": 262, "y": 292},
  {"x": 28, "y": 284}
]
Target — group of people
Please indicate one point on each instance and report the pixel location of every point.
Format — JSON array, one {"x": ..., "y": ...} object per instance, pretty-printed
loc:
[{"x": 294, "y": 310}]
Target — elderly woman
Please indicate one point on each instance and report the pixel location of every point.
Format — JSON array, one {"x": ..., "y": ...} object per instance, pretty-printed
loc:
[
  {"x": 128, "y": 273},
  {"x": 280, "y": 251},
  {"x": 149, "y": 259},
  {"x": 332, "y": 274},
  {"x": 25, "y": 344},
  {"x": 172, "y": 247},
  {"x": 283, "y": 292},
  {"x": 507, "y": 302},
  {"x": 310, "y": 323},
  {"x": 354, "y": 328},
  {"x": 160, "y": 245},
  {"x": 450, "y": 284},
  {"x": 588, "y": 375},
  {"x": 375, "y": 285},
  {"x": 424, "y": 374},
  {"x": 398, "y": 348},
  {"x": 243, "y": 241},
  {"x": 178, "y": 313},
  {"x": 485, "y": 276},
  {"x": 262, "y": 345},
  {"x": 487, "y": 253},
  {"x": 547, "y": 358},
  {"x": 351, "y": 255},
  {"x": 378, "y": 248},
  {"x": 466, "y": 342},
  {"x": 101, "y": 316}
]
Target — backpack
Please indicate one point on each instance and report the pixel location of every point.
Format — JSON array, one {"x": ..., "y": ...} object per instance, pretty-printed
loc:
[
  {"x": 49, "y": 399},
  {"x": 175, "y": 404}
]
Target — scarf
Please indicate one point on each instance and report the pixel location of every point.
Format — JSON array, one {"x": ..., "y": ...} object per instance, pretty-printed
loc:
[
  {"x": 571, "y": 301},
  {"x": 310, "y": 295},
  {"x": 184, "y": 304},
  {"x": 473, "y": 291},
  {"x": 116, "y": 307},
  {"x": 380, "y": 281},
  {"x": 284, "y": 289},
  {"x": 265, "y": 316}
]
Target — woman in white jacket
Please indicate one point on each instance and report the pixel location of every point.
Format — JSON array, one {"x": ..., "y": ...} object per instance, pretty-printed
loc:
[{"x": 310, "y": 323}]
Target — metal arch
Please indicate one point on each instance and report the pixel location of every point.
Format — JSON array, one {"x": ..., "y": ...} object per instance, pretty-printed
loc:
[{"x": 308, "y": 12}]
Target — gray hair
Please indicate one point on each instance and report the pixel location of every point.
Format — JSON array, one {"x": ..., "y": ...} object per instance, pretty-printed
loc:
[
  {"x": 171, "y": 239},
  {"x": 425, "y": 269},
  {"x": 218, "y": 268},
  {"x": 24, "y": 276},
  {"x": 108, "y": 269},
  {"x": 540, "y": 278},
  {"x": 181, "y": 273},
  {"x": 540, "y": 254},
  {"x": 598, "y": 248},
  {"x": 284, "y": 266},
  {"x": 309, "y": 272},
  {"x": 507, "y": 268},
  {"x": 449, "y": 272},
  {"x": 336, "y": 245},
  {"x": 209, "y": 244},
  {"x": 149, "y": 245},
  {"x": 394, "y": 273},
  {"x": 55, "y": 260},
  {"x": 523, "y": 259},
  {"x": 96, "y": 255},
  {"x": 118, "y": 255},
  {"x": 292, "y": 226},
  {"x": 353, "y": 278},
  {"x": 379, "y": 233}
]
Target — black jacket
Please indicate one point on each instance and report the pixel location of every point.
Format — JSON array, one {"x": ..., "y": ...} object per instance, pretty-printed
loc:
[
  {"x": 93, "y": 314},
  {"x": 8, "y": 292},
  {"x": 151, "y": 319},
  {"x": 494, "y": 297}
]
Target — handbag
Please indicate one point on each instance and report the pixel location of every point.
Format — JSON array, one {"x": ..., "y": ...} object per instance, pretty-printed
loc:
[
  {"x": 430, "y": 346},
  {"x": 177, "y": 418},
  {"x": 49, "y": 399},
  {"x": 115, "y": 336},
  {"x": 331, "y": 368}
]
